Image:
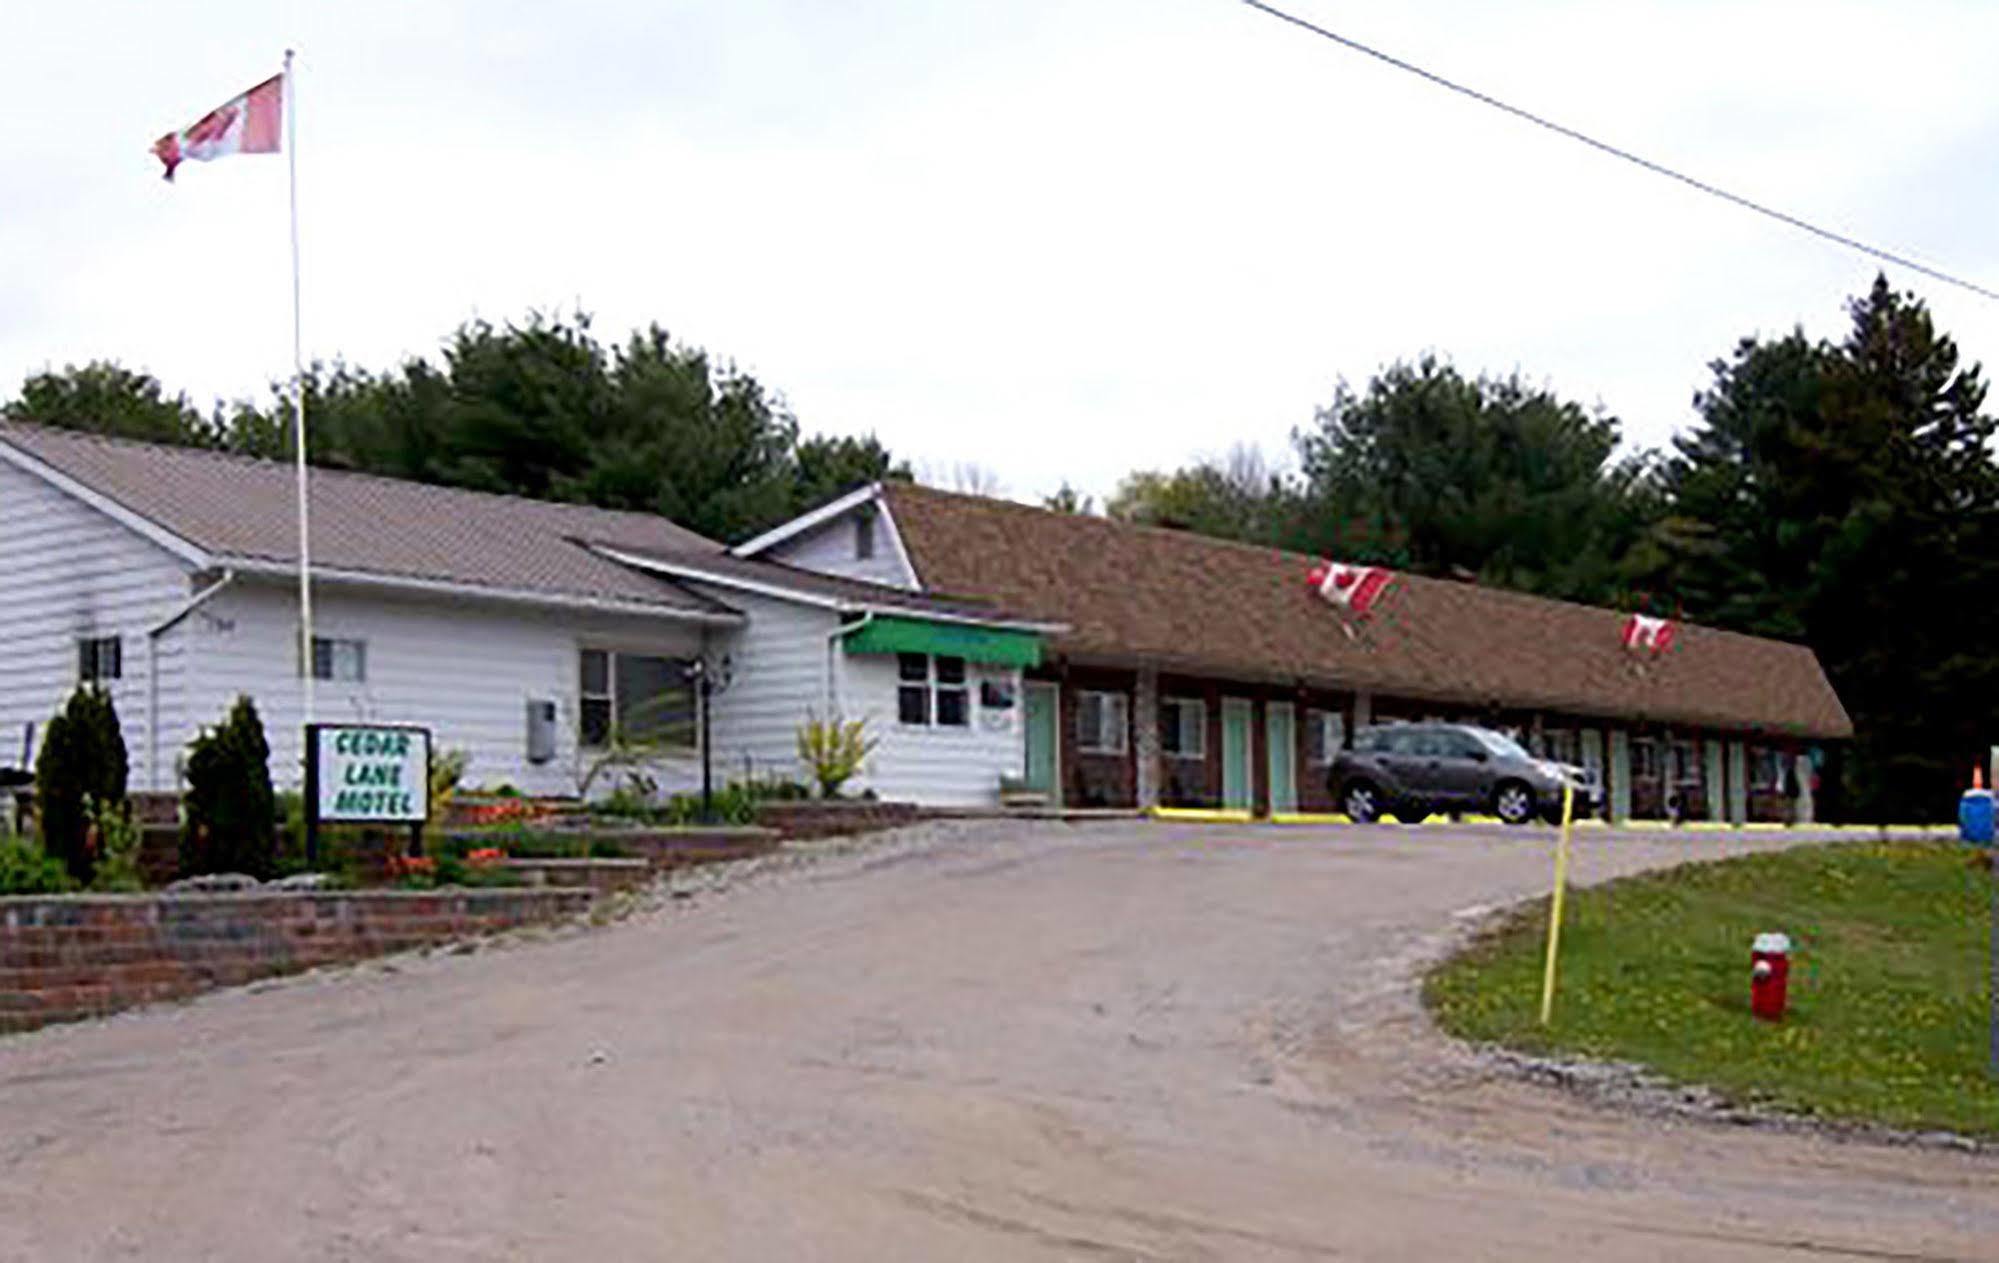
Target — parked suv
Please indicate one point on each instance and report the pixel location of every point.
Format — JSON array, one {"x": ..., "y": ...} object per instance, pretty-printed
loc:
[{"x": 1412, "y": 771}]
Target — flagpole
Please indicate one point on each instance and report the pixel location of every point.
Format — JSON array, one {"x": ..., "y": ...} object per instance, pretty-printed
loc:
[{"x": 306, "y": 663}]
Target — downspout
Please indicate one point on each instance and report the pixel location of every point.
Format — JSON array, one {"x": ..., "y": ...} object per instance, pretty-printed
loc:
[
  {"x": 153, "y": 635},
  {"x": 833, "y": 637}
]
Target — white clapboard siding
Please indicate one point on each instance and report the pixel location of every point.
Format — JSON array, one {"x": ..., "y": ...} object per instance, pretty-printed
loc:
[
  {"x": 68, "y": 571},
  {"x": 778, "y": 669},
  {"x": 783, "y": 669},
  {"x": 463, "y": 668},
  {"x": 829, "y": 549},
  {"x": 944, "y": 767}
]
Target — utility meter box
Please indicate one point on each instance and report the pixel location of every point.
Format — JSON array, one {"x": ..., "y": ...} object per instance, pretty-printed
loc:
[{"x": 541, "y": 729}]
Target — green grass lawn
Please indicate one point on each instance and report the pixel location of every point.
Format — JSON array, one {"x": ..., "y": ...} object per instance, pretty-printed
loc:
[{"x": 1889, "y": 964}]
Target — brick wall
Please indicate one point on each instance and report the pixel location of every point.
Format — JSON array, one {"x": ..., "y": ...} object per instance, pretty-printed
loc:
[
  {"x": 822, "y": 819},
  {"x": 77, "y": 956}
]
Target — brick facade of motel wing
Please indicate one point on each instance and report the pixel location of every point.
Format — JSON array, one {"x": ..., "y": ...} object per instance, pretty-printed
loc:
[{"x": 1181, "y": 641}]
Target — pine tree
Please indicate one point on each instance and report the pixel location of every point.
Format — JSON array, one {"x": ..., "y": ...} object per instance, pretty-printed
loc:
[
  {"x": 82, "y": 761},
  {"x": 1844, "y": 494},
  {"x": 230, "y": 823}
]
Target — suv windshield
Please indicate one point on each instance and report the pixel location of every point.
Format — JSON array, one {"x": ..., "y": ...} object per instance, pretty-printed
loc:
[{"x": 1500, "y": 744}]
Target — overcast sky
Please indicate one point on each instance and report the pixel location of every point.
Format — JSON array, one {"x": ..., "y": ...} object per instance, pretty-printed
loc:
[{"x": 1057, "y": 238}]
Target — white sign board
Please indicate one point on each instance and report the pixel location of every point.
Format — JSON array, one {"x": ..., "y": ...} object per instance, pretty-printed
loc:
[{"x": 370, "y": 773}]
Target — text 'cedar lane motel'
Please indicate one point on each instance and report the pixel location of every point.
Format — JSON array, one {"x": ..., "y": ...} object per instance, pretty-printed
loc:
[
  {"x": 1093, "y": 662},
  {"x": 371, "y": 773}
]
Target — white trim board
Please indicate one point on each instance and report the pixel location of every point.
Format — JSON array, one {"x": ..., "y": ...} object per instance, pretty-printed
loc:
[
  {"x": 137, "y": 523},
  {"x": 264, "y": 568},
  {"x": 806, "y": 521},
  {"x": 692, "y": 572}
]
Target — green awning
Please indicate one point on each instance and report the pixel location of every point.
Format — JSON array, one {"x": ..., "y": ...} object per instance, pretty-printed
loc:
[{"x": 993, "y": 646}]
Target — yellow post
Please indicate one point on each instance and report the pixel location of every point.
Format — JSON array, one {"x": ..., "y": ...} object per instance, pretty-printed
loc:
[{"x": 1555, "y": 912}]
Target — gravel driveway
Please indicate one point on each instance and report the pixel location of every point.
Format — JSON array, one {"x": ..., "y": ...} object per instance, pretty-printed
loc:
[{"x": 980, "y": 1041}]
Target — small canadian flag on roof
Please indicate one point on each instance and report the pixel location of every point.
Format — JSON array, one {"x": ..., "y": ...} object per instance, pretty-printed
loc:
[
  {"x": 1646, "y": 634},
  {"x": 251, "y": 123},
  {"x": 1355, "y": 589}
]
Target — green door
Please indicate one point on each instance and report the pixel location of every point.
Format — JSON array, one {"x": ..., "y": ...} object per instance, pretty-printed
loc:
[
  {"x": 1042, "y": 733},
  {"x": 1280, "y": 738},
  {"x": 1235, "y": 753}
]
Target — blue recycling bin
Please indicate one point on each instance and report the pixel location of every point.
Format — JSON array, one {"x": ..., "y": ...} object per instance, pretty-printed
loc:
[{"x": 1974, "y": 817}]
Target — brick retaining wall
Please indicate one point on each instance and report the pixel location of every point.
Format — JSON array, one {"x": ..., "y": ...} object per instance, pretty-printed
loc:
[
  {"x": 820, "y": 818},
  {"x": 75, "y": 956}
]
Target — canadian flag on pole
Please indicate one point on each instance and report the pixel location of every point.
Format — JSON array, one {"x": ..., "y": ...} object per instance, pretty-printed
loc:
[
  {"x": 1645, "y": 633},
  {"x": 249, "y": 124},
  {"x": 1352, "y": 588}
]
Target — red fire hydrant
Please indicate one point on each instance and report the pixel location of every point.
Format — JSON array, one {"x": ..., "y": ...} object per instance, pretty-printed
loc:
[{"x": 1769, "y": 976}]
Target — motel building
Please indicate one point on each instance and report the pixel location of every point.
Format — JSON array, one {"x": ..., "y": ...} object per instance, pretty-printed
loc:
[{"x": 993, "y": 648}]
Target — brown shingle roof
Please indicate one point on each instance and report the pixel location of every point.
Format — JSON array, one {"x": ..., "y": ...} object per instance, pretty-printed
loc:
[
  {"x": 1215, "y": 607},
  {"x": 241, "y": 509}
]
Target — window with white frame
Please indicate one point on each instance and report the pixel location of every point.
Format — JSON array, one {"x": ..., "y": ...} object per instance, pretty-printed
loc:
[
  {"x": 1325, "y": 734},
  {"x": 1686, "y": 762},
  {"x": 99, "y": 658},
  {"x": 339, "y": 659},
  {"x": 1766, "y": 768},
  {"x": 931, "y": 691},
  {"x": 1101, "y": 721},
  {"x": 864, "y": 535},
  {"x": 1183, "y": 727},
  {"x": 638, "y": 696},
  {"x": 1560, "y": 744},
  {"x": 1644, "y": 759}
]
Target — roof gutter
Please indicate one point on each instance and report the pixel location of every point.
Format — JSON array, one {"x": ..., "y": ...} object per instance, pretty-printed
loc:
[
  {"x": 833, "y": 638},
  {"x": 265, "y": 568},
  {"x": 153, "y": 635}
]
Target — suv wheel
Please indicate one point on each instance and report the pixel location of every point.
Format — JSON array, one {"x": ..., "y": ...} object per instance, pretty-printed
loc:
[
  {"x": 1361, "y": 802},
  {"x": 1513, "y": 803}
]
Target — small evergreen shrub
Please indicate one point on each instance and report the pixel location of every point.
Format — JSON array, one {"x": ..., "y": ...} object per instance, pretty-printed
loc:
[
  {"x": 82, "y": 761},
  {"x": 230, "y": 823}
]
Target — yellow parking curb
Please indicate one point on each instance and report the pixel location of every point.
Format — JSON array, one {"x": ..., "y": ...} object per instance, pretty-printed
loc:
[
  {"x": 1310, "y": 817},
  {"x": 1202, "y": 815}
]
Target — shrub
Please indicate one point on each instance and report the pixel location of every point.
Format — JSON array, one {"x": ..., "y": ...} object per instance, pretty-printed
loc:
[
  {"x": 82, "y": 758},
  {"x": 447, "y": 776},
  {"x": 117, "y": 851},
  {"x": 230, "y": 824},
  {"x": 631, "y": 800},
  {"x": 834, "y": 749},
  {"x": 764, "y": 789},
  {"x": 25, "y": 869}
]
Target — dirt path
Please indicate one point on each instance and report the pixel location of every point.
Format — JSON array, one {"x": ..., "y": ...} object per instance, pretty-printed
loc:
[{"x": 1003, "y": 1042}]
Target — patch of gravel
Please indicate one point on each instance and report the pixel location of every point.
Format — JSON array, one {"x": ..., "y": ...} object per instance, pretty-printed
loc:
[
  {"x": 1632, "y": 1088},
  {"x": 684, "y": 887}
]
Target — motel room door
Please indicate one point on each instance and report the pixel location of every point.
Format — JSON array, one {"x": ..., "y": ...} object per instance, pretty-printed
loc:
[
  {"x": 1236, "y": 712},
  {"x": 1043, "y": 733},
  {"x": 1280, "y": 741}
]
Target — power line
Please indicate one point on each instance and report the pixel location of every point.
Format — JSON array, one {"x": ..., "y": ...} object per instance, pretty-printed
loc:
[{"x": 1655, "y": 168}]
